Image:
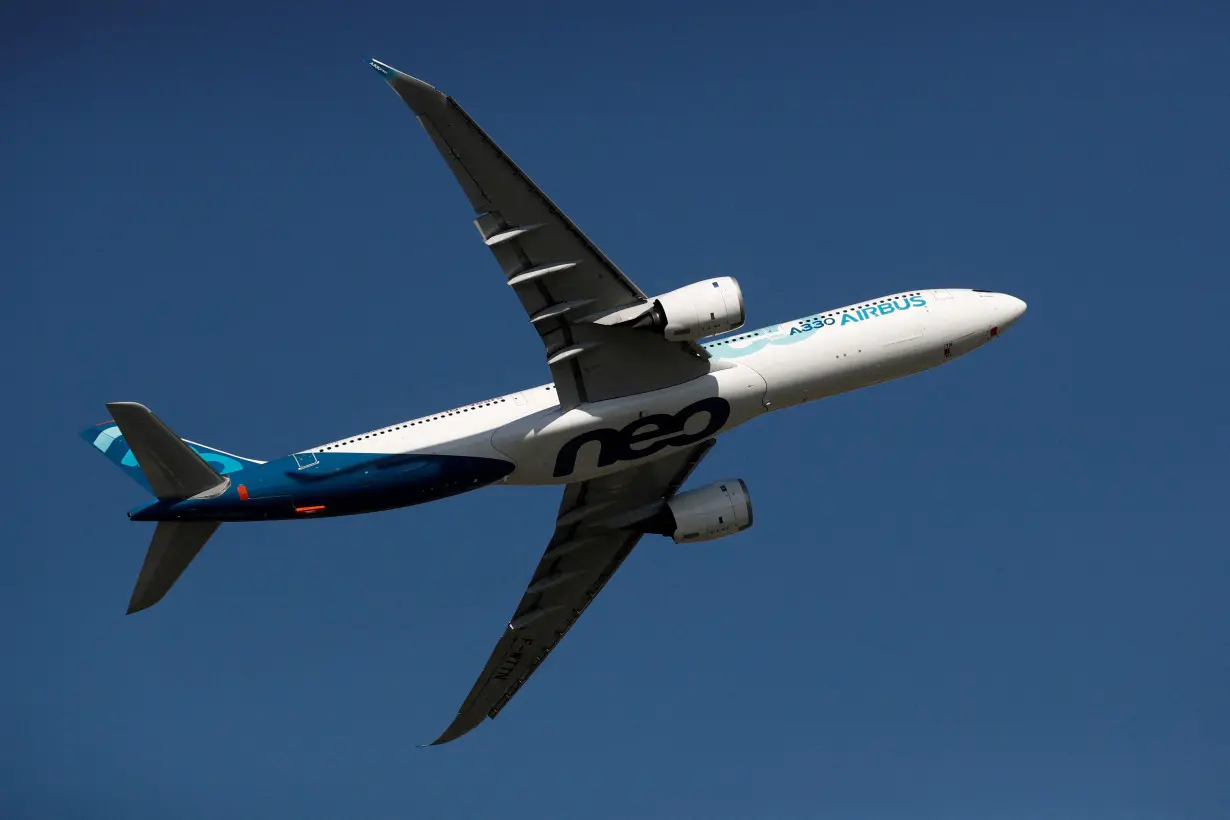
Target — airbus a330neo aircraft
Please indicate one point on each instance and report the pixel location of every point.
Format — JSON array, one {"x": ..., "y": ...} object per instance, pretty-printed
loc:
[{"x": 636, "y": 402}]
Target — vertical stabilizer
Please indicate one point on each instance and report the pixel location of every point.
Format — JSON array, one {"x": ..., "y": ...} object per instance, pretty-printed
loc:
[{"x": 173, "y": 469}]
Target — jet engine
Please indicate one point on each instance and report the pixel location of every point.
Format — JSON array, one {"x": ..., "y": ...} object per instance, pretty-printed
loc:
[
  {"x": 720, "y": 509},
  {"x": 697, "y": 310}
]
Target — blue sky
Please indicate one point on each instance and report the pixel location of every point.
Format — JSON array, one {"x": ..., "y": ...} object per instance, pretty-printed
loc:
[{"x": 995, "y": 590}]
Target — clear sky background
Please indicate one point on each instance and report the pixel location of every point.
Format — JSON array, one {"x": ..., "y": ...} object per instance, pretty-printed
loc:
[{"x": 995, "y": 590}]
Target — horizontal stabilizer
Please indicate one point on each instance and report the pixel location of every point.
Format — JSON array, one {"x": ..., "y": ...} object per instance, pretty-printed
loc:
[
  {"x": 173, "y": 469},
  {"x": 174, "y": 546}
]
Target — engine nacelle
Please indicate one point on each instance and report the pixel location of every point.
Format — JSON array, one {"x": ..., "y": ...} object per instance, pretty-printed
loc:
[
  {"x": 723, "y": 508},
  {"x": 698, "y": 310}
]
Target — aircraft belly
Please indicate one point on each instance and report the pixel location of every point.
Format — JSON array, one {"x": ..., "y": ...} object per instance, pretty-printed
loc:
[
  {"x": 604, "y": 437},
  {"x": 336, "y": 484}
]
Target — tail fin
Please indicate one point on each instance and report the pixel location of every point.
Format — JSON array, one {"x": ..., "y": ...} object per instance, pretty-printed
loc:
[
  {"x": 174, "y": 546},
  {"x": 171, "y": 469},
  {"x": 115, "y": 440}
]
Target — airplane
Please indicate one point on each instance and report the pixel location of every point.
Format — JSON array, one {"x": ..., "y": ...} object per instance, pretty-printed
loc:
[{"x": 642, "y": 387}]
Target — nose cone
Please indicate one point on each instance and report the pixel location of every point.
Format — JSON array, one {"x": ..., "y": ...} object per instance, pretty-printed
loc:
[{"x": 1014, "y": 309}]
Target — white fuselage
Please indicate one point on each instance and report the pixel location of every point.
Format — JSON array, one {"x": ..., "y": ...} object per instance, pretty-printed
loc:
[{"x": 751, "y": 373}]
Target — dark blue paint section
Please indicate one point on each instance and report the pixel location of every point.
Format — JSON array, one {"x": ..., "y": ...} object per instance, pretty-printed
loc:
[{"x": 341, "y": 483}]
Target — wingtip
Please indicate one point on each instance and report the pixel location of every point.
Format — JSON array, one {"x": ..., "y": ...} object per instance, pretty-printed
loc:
[
  {"x": 420, "y": 96},
  {"x": 456, "y": 729},
  {"x": 140, "y": 601},
  {"x": 391, "y": 74}
]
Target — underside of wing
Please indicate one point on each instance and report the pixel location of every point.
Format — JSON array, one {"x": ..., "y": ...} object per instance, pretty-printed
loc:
[
  {"x": 594, "y": 533},
  {"x": 567, "y": 286}
]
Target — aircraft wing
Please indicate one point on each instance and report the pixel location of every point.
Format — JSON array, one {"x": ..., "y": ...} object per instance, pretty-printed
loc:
[
  {"x": 559, "y": 275},
  {"x": 581, "y": 557}
]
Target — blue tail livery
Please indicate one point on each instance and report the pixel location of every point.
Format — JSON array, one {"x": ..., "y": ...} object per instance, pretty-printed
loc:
[
  {"x": 110, "y": 441},
  {"x": 174, "y": 470}
]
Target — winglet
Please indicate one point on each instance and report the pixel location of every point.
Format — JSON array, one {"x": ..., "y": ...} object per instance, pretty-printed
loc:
[
  {"x": 463, "y": 724},
  {"x": 414, "y": 92}
]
